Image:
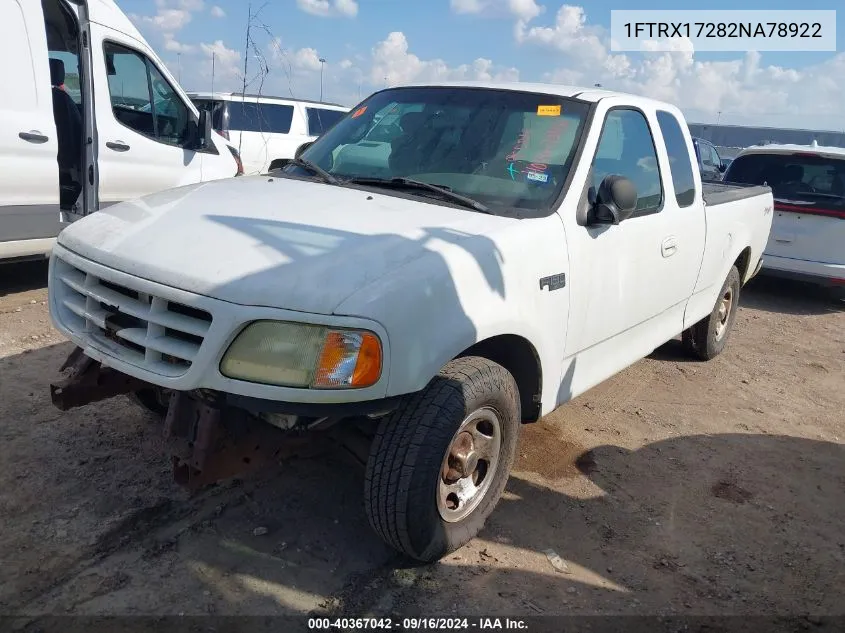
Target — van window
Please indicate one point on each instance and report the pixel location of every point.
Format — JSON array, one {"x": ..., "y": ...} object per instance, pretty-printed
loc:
[
  {"x": 680, "y": 162},
  {"x": 321, "y": 119},
  {"x": 809, "y": 181},
  {"x": 141, "y": 97},
  {"x": 260, "y": 117},
  {"x": 217, "y": 110},
  {"x": 626, "y": 148}
]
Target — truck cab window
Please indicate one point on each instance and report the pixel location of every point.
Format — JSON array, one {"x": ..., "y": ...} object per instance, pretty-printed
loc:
[
  {"x": 626, "y": 148},
  {"x": 680, "y": 162},
  {"x": 142, "y": 99}
]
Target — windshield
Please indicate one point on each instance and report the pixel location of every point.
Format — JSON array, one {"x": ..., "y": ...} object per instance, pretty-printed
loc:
[{"x": 504, "y": 149}]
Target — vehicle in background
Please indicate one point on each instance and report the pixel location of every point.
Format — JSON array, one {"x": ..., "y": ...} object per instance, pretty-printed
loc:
[
  {"x": 808, "y": 231},
  {"x": 69, "y": 145},
  {"x": 267, "y": 131},
  {"x": 515, "y": 246},
  {"x": 710, "y": 164}
]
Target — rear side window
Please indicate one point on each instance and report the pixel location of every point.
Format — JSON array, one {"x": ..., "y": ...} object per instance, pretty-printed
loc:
[
  {"x": 680, "y": 161},
  {"x": 804, "y": 177},
  {"x": 321, "y": 119},
  {"x": 260, "y": 117}
]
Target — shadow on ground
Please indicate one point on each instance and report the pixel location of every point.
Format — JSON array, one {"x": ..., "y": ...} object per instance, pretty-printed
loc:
[
  {"x": 786, "y": 296},
  {"x": 92, "y": 524},
  {"x": 23, "y": 276}
]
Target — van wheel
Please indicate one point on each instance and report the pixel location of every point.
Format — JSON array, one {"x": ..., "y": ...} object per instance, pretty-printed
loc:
[
  {"x": 438, "y": 465},
  {"x": 154, "y": 399},
  {"x": 707, "y": 338}
]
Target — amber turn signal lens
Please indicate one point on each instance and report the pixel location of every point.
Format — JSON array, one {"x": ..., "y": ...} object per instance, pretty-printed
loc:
[{"x": 348, "y": 359}]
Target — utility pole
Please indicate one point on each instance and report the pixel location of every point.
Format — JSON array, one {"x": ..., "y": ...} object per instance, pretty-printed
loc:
[
  {"x": 718, "y": 117},
  {"x": 179, "y": 64},
  {"x": 322, "y": 63}
]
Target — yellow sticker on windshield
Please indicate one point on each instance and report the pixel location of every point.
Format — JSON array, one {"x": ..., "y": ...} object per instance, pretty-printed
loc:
[{"x": 548, "y": 110}]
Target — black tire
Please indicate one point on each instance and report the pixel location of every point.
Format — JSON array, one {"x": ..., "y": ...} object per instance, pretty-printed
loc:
[
  {"x": 155, "y": 400},
  {"x": 407, "y": 458},
  {"x": 707, "y": 338}
]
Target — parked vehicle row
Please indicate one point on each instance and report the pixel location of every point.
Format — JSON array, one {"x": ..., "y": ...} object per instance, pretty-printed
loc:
[
  {"x": 710, "y": 164},
  {"x": 808, "y": 232},
  {"x": 91, "y": 117},
  {"x": 444, "y": 264},
  {"x": 267, "y": 131}
]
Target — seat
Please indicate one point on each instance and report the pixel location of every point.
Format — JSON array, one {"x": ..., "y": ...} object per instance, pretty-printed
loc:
[
  {"x": 68, "y": 134},
  {"x": 68, "y": 119}
]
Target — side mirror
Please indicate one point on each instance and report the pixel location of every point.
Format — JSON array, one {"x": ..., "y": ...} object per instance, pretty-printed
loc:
[
  {"x": 723, "y": 168},
  {"x": 616, "y": 200},
  {"x": 202, "y": 132},
  {"x": 302, "y": 148}
]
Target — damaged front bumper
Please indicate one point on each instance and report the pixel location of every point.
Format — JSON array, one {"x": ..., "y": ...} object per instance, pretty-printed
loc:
[{"x": 211, "y": 435}]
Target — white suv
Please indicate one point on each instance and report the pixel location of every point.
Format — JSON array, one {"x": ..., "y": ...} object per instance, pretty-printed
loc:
[
  {"x": 267, "y": 131},
  {"x": 808, "y": 230}
]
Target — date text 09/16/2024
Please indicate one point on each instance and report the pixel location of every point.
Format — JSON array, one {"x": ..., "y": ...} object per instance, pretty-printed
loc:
[{"x": 418, "y": 624}]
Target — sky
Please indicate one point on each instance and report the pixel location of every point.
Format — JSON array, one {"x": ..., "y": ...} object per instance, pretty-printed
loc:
[{"x": 370, "y": 44}]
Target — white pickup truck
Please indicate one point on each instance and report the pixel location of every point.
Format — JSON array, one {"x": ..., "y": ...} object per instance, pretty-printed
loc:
[{"x": 499, "y": 250}]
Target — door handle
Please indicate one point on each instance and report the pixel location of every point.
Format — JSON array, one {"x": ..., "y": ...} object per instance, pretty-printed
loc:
[
  {"x": 669, "y": 247},
  {"x": 33, "y": 136},
  {"x": 118, "y": 146}
]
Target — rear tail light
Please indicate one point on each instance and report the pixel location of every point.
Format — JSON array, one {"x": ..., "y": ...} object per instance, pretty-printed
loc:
[
  {"x": 238, "y": 162},
  {"x": 795, "y": 208}
]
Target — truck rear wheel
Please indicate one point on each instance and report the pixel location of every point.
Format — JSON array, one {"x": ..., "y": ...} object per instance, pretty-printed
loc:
[
  {"x": 439, "y": 464},
  {"x": 707, "y": 338}
]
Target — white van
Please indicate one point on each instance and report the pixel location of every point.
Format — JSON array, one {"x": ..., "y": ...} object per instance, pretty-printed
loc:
[
  {"x": 90, "y": 117},
  {"x": 807, "y": 242},
  {"x": 266, "y": 130}
]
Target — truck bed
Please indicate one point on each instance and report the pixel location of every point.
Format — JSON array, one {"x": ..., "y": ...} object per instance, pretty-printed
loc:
[{"x": 716, "y": 193}]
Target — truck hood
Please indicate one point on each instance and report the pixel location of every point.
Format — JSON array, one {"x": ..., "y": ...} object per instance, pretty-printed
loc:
[{"x": 274, "y": 242}]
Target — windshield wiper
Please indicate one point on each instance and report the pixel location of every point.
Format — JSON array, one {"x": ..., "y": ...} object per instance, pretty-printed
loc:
[
  {"x": 410, "y": 183},
  {"x": 315, "y": 169}
]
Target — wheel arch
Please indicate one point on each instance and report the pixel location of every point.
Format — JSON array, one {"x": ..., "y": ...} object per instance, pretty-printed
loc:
[
  {"x": 516, "y": 354},
  {"x": 742, "y": 263}
]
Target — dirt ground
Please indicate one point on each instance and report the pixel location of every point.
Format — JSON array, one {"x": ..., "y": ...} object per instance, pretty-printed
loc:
[{"x": 676, "y": 487}]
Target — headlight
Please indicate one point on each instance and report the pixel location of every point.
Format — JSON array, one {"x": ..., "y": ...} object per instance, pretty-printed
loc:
[{"x": 299, "y": 355}]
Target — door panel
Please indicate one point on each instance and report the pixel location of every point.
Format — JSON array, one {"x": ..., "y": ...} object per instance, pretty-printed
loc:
[
  {"x": 142, "y": 122},
  {"x": 29, "y": 171}
]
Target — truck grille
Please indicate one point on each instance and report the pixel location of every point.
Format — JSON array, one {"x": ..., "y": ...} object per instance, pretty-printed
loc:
[{"x": 145, "y": 330}]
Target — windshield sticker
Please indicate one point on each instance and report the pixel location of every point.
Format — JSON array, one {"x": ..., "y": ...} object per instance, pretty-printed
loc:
[
  {"x": 521, "y": 142},
  {"x": 548, "y": 110},
  {"x": 359, "y": 112},
  {"x": 536, "y": 176}
]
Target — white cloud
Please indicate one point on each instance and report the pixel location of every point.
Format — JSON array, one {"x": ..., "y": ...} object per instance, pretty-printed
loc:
[
  {"x": 172, "y": 15},
  {"x": 217, "y": 12},
  {"x": 306, "y": 59},
  {"x": 522, "y": 9},
  {"x": 226, "y": 60},
  {"x": 742, "y": 90},
  {"x": 345, "y": 64},
  {"x": 168, "y": 20},
  {"x": 569, "y": 34},
  {"x": 170, "y": 44},
  {"x": 329, "y": 8},
  {"x": 391, "y": 60}
]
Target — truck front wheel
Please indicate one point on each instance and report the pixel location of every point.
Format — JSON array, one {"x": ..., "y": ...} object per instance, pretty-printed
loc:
[
  {"x": 707, "y": 338},
  {"x": 154, "y": 399},
  {"x": 439, "y": 464}
]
